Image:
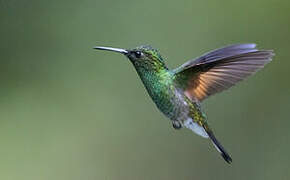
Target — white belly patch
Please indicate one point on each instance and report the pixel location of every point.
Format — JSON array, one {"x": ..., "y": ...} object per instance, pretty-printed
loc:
[{"x": 195, "y": 127}]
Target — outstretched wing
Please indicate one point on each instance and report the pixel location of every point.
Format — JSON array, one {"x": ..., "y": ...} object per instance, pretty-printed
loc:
[{"x": 220, "y": 69}]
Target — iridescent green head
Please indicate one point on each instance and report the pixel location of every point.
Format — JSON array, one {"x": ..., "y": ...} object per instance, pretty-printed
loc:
[{"x": 144, "y": 57}]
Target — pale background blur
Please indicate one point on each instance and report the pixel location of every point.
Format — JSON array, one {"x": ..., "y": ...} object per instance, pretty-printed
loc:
[{"x": 70, "y": 112}]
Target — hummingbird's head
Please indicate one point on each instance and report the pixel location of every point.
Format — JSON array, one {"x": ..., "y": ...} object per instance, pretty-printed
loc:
[{"x": 142, "y": 57}]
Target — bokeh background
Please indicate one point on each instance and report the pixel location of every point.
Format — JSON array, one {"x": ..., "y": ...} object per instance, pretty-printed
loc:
[{"x": 70, "y": 112}]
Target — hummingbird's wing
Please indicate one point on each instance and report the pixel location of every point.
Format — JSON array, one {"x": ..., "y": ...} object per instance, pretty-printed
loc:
[{"x": 220, "y": 69}]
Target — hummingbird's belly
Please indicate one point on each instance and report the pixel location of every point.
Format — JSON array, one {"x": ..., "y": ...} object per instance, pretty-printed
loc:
[
  {"x": 170, "y": 100},
  {"x": 172, "y": 104}
]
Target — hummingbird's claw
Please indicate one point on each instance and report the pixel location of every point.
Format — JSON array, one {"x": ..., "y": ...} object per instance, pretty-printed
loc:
[{"x": 176, "y": 125}]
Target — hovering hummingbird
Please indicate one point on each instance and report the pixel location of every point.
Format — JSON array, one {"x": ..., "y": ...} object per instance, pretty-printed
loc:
[{"x": 178, "y": 93}]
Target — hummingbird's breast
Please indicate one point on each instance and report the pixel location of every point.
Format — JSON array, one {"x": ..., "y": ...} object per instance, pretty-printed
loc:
[{"x": 168, "y": 98}]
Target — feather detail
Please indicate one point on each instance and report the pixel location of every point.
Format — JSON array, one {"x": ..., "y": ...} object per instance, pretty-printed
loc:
[{"x": 220, "y": 69}]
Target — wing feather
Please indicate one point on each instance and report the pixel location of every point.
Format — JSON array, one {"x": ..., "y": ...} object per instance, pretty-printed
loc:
[{"x": 220, "y": 69}]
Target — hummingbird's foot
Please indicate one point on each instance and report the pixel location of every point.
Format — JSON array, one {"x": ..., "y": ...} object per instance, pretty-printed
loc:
[{"x": 176, "y": 125}]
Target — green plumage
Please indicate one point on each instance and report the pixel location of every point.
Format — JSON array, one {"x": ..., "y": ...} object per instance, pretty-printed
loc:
[
  {"x": 159, "y": 82},
  {"x": 177, "y": 93}
]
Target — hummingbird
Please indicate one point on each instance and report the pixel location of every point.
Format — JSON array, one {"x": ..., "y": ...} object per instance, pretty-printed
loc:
[{"x": 178, "y": 92}]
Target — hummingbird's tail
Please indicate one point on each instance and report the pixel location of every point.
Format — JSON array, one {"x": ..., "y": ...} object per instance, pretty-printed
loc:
[{"x": 217, "y": 145}]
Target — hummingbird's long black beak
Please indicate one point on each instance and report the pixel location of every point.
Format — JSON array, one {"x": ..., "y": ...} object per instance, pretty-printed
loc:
[{"x": 123, "y": 51}]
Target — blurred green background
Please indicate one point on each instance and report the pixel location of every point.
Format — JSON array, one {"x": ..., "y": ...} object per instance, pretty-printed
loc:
[{"x": 70, "y": 112}]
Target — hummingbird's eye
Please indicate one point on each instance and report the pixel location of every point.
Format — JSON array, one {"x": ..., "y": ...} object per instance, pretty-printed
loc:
[{"x": 138, "y": 54}]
